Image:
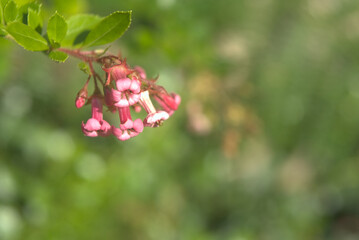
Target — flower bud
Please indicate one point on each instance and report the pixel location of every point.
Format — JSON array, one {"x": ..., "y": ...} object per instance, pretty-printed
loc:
[{"x": 81, "y": 97}]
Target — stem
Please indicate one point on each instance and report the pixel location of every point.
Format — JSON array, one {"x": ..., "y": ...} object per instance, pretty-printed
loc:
[
  {"x": 94, "y": 74},
  {"x": 86, "y": 56},
  {"x": 89, "y": 57}
]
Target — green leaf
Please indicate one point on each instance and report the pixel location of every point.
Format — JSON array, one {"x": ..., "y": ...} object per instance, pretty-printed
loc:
[
  {"x": 69, "y": 7},
  {"x": 27, "y": 37},
  {"x": 57, "y": 28},
  {"x": 23, "y": 12},
  {"x": 58, "y": 56},
  {"x": 109, "y": 29},
  {"x": 85, "y": 68},
  {"x": 78, "y": 28},
  {"x": 10, "y": 11},
  {"x": 23, "y": 2},
  {"x": 34, "y": 20}
]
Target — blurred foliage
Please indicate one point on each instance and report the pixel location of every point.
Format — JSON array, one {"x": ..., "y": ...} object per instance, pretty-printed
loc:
[{"x": 264, "y": 145}]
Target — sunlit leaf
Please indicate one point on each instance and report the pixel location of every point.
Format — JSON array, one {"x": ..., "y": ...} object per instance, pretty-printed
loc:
[
  {"x": 27, "y": 37},
  {"x": 109, "y": 29},
  {"x": 70, "y": 7},
  {"x": 84, "y": 67},
  {"x": 58, "y": 56},
  {"x": 34, "y": 20},
  {"x": 23, "y": 2},
  {"x": 10, "y": 11},
  {"x": 78, "y": 28},
  {"x": 57, "y": 28},
  {"x": 23, "y": 11}
]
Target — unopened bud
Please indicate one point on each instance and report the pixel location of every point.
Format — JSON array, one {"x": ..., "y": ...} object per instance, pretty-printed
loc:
[{"x": 81, "y": 97}]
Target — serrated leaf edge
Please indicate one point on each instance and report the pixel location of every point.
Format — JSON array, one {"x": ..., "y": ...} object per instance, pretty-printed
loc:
[
  {"x": 56, "y": 13},
  {"x": 27, "y": 37},
  {"x": 59, "y": 61},
  {"x": 129, "y": 24}
]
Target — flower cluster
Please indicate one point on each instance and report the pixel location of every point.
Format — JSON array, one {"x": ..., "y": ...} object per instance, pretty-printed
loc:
[{"x": 125, "y": 89}]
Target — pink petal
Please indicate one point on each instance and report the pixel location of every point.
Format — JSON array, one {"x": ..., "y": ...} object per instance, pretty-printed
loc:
[
  {"x": 123, "y": 84},
  {"x": 125, "y": 136},
  {"x": 92, "y": 125},
  {"x": 127, "y": 125},
  {"x": 116, "y": 131},
  {"x": 135, "y": 86},
  {"x": 133, "y": 99},
  {"x": 138, "y": 125},
  {"x": 134, "y": 134},
  {"x": 170, "y": 101},
  {"x": 121, "y": 135},
  {"x": 160, "y": 115},
  {"x": 119, "y": 99},
  {"x": 122, "y": 103},
  {"x": 105, "y": 129},
  {"x": 153, "y": 119},
  {"x": 116, "y": 95},
  {"x": 162, "y": 103},
  {"x": 88, "y": 133}
]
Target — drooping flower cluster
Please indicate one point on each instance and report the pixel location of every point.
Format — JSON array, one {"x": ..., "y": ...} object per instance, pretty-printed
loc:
[{"x": 125, "y": 88}]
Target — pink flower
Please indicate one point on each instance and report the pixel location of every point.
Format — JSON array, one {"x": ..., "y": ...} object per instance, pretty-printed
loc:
[
  {"x": 128, "y": 128},
  {"x": 127, "y": 92},
  {"x": 96, "y": 126},
  {"x": 169, "y": 103},
  {"x": 124, "y": 88},
  {"x": 154, "y": 118}
]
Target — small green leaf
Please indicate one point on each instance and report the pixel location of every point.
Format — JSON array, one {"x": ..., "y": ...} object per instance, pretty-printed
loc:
[
  {"x": 85, "y": 68},
  {"x": 109, "y": 29},
  {"x": 58, "y": 56},
  {"x": 57, "y": 28},
  {"x": 34, "y": 20},
  {"x": 23, "y": 11},
  {"x": 10, "y": 11},
  {"x": 78, "y": 28},
  {"x": 27, "y": 37}
]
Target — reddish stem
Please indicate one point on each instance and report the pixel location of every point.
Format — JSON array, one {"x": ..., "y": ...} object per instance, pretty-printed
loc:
[{"x": 87, "y": 56}]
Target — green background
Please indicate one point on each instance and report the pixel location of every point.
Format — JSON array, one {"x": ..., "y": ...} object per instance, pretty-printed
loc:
[{"x": 263, "y": 146}]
